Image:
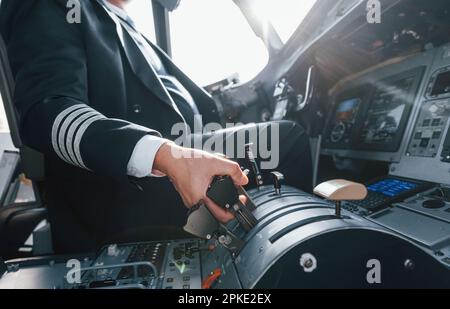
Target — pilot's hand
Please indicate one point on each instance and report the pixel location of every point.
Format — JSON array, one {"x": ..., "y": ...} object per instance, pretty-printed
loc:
[{"x": 191, "y": 172}]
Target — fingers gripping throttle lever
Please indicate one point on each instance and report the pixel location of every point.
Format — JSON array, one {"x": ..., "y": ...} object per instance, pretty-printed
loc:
[{"x": 224, "y": 193}]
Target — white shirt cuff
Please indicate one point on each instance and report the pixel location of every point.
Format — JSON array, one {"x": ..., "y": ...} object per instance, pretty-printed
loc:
[{"x": 140, "y": 164}]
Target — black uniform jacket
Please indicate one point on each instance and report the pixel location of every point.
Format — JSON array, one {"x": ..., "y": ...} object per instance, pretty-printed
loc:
[{"x": 85, "y": 96}]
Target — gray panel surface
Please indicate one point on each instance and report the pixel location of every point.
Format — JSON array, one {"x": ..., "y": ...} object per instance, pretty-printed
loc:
[{"x": 430, "y": 232}]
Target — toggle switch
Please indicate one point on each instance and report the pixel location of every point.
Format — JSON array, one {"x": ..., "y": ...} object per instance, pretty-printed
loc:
[
  {"x": 252, "y": 160},
  {"x": 113, "y": 250},
  {"x": 277, "y": 179}
]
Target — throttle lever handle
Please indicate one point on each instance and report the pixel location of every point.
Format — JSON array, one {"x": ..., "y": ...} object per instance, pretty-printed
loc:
[{"x": 224, "y": 193}]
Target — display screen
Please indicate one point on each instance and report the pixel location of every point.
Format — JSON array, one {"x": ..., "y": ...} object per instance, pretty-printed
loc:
[
  {"x": 347, "y": 110},
  {"x": 386, "y": 111},
  {"x": 392, "y": 187},
  {"x": 442, "y": 84}
]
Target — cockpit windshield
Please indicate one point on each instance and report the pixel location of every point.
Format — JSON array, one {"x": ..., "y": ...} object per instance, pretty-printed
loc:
[{"x": 284, "y": 15}]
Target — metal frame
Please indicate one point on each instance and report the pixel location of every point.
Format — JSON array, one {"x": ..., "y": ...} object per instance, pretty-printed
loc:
[{"x": 162, "y": 26}]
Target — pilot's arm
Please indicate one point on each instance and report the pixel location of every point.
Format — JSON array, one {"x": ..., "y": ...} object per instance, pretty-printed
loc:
[{"x": 48, "y": 61}]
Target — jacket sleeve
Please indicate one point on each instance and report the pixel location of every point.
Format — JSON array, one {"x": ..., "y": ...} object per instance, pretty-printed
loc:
[{"x": 49, "y": 65}]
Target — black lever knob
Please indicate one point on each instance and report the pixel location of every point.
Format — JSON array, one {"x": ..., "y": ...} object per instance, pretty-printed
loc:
[
  {"x": 277, "y": 179},
  {"x": 225, "y": 194}
]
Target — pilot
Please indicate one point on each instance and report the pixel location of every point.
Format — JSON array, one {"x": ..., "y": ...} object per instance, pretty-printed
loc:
[{"x": 99, "y": 101}]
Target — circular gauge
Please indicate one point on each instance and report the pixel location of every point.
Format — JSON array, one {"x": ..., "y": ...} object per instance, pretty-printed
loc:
[{"x": 338, "y": 132}]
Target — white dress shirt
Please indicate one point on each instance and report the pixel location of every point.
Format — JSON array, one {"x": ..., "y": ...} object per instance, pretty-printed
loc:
[{"x": 143, "y": 156}]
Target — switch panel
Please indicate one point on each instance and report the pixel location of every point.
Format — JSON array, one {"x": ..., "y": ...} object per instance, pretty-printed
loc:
[
  {"x": 445, "y": 154},
  {"x": 430, "y": 129}
]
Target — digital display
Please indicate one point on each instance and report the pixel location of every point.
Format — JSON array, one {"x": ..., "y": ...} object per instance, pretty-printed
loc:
[
  {"x": 347, "y": 110},
  {"x": 386, "y": 111},
  {"x": 442, "y": 84},
  {"x": 344, "y": 119},
  {"x": 392, "y": 187}
]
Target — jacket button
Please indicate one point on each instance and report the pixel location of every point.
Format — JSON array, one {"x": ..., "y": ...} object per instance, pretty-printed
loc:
[{"x": 137, "y": 108}]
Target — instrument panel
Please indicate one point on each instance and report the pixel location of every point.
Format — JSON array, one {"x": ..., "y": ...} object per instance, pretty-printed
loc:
[
  {"x": 373, "y": 117},
  {"x": 342, "y": 126},
  {"x": 427, "y": 151},
  {"x": 433, "y": 117},
  {"x": 429, "y": 129},
  {"x": 398, "y": 113},
  {"x": 388, "y": 111},
  {"x": 345, "y": 116}
]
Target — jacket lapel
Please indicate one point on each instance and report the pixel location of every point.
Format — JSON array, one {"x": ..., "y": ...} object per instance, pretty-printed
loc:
[
  {"x": 203, "y": 99},
  {"x": 174, "y": 69},
  {"x": 143, "y": 70}
]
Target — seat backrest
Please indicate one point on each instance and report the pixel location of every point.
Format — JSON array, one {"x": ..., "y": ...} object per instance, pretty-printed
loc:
[{"x": 32, "y": 161}]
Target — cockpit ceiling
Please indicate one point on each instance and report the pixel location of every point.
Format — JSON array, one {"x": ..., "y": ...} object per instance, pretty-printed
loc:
[{"x": 404, "y": 29}]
